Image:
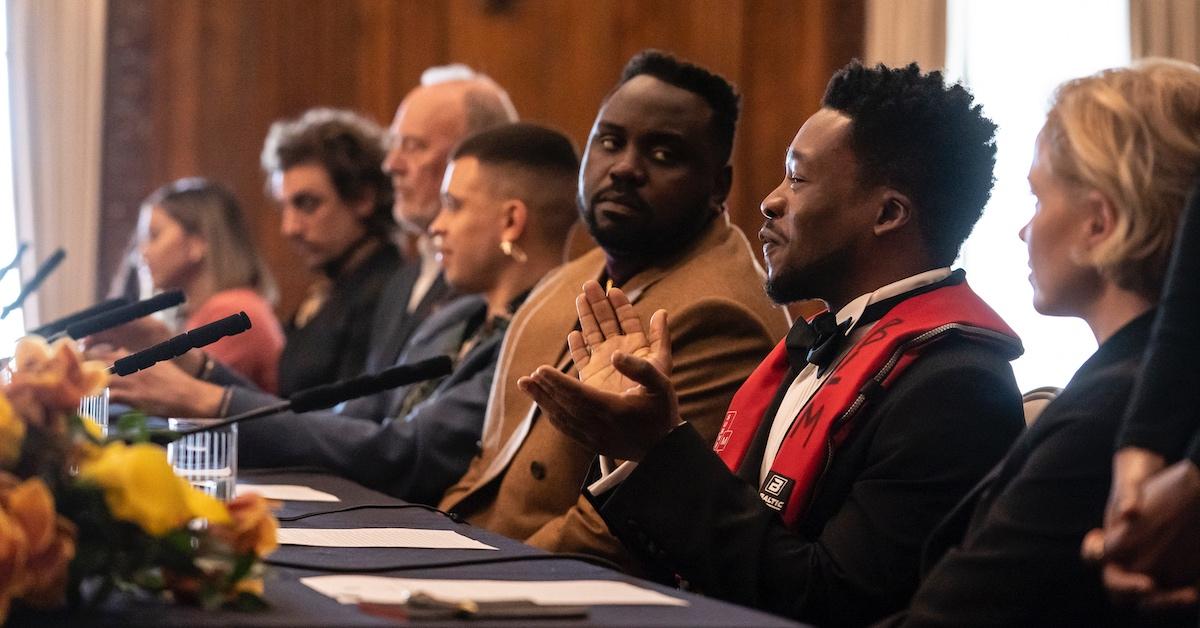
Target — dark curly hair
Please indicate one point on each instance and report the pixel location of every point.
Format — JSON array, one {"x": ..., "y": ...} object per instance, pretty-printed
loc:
[
  {"x": 720, "y": 95},
  {"x": 348, "y": 146},
  {"x": 927, "y": 140}
]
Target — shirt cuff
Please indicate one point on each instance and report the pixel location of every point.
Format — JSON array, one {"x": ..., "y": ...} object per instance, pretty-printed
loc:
[{"x": 612, "y": 480}]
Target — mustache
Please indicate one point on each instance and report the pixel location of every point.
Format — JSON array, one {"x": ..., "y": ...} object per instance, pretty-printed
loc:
[{"x": 623, "y": 197}]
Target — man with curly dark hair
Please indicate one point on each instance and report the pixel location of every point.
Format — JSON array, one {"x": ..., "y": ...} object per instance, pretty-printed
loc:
[
  {"x": 323, "y": 169},
  {"x": 863, "y": 427}
]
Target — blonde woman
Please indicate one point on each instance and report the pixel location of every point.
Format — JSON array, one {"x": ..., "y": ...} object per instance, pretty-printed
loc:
[
  {"x": 1114, "y": 163},
  {"x": 193, "y": 238}
]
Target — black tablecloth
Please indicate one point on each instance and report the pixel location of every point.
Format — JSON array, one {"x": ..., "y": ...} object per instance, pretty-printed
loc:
[{"x": 294, "y": 604}]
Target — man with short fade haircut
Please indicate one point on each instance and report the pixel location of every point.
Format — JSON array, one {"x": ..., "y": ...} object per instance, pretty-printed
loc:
[
  {"x": 849, "y": 442},
  {"x": 653, "y": 182},
  {"x": 451, "y": 103},
  {"x": 507, "y": 204}
]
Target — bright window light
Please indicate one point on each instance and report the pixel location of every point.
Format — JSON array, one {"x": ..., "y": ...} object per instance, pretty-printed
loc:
[
  {"x": 1012, "y": 54},
  {"x": 13, "y": 326}
]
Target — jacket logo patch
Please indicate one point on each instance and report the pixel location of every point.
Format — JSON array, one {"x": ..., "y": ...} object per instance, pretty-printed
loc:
[
  {"x": 776, "y": 490},
  {"x": 726, "y": 432}
]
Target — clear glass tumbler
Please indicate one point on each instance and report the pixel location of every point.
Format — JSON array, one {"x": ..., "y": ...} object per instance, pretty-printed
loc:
[
  {"x": 206, "y": 459},
  {"x": 95, "y": 407}
]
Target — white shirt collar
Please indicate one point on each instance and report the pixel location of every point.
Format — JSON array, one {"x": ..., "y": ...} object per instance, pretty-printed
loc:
[{"x": 854, "y": 309}]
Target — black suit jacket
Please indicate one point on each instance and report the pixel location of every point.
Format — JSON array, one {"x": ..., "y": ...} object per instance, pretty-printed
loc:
[
  {"x": 414, "y": 457},
  {"x": 333, "y": 345},
  {"x": 855, "y": 555},
  {"x": 1008, "y": 555},
  {"x": 393, "y": 324}
]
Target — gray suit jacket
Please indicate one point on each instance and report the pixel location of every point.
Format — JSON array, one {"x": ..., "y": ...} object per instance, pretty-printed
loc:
[{"x": 414, "y": 457}]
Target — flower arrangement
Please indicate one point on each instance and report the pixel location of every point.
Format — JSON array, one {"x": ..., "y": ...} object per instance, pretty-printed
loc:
[{"x": 82, "y": 516}]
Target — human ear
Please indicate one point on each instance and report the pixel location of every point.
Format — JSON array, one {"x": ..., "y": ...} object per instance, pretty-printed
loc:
[
  {"x": 723, "y": 184},
  {"x": 894, "y": 211},
  {"x": 514, "y": 218}
]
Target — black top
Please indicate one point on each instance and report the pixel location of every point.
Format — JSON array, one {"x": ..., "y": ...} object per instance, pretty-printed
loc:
[
  {"x": 1008, "y": 554},
  {"x": 333, "y": 344},
  {"x": 1164, "y": 413}
]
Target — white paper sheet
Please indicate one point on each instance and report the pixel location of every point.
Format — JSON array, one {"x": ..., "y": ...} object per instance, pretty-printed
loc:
[
  {"x": 378, "y": 537},
  {"x": 286, "y": 492},
  {"x": 383, "y": 590}
]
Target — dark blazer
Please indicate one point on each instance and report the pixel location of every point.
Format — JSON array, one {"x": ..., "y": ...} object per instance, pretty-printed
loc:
[
  {"x": 855, "y": 555},
  {"x": 333, "y": 345},
  {"x": 414, "y": 457},
  {"x": 1008, "y": 555},
  {"x": 393, "y": 324}
]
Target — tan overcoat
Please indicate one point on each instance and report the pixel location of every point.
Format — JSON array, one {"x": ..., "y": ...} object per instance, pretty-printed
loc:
[{"x": 526, "y": 481}]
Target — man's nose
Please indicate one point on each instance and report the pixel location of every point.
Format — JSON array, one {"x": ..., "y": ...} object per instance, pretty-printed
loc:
[
  {"x": 628, "y": 168},
  {"x": 773, "y": 206},
  {"x": 290, "y": 224}
]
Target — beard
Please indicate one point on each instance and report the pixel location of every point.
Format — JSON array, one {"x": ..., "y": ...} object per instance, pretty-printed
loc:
[{"x": 799, "y": 281}]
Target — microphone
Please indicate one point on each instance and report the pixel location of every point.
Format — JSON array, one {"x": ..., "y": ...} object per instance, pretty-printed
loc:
[
  {"x": 15, "y": 260},
  {"x": 122, "y": 315},
  {"x": 56, "y": 326},
  {"x": 203, "y": 335},
  {"x": 329, "y": 395},
  {"x": 42, "y": 273}
]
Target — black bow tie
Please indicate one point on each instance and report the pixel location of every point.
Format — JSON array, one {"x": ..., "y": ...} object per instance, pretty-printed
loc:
[
  {"x": 817, "y": 342},
  {"x": 821, "y": 341}
]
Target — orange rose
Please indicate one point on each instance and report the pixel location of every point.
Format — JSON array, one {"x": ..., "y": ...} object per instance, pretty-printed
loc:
[
  {"x": 14, "y": 552},
  {"x": 252, "y": 528},
  {"x": 50, "y": 540},
  {"x": 56, "y": 375}
]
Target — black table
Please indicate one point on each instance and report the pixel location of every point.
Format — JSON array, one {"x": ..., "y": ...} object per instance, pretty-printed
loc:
[{"x": 294, "y": 604}]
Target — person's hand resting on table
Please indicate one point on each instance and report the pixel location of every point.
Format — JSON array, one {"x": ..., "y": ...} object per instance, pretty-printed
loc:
[{"x": 623, "y": 402}]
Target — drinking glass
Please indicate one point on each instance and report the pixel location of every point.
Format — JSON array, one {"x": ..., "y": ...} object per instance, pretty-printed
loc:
[{"x": 206, "y": 459}]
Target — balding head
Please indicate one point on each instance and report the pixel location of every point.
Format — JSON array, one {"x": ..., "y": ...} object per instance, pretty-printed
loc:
[{"x": 451, "y": 103}]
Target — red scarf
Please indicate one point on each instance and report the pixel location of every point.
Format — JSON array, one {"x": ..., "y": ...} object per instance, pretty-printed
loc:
[{"x": 865, "y": 371}]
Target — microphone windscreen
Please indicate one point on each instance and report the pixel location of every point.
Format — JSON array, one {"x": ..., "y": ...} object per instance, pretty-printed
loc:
[
  {"x": 34, "y": 282},
  {"x": 212, "y": 332},
  {"x": 332, "y": 394},
  {"x": 122, "y": 315},
  {"x": 55, "y": 326},
  {"x": 181, "y": 344}
]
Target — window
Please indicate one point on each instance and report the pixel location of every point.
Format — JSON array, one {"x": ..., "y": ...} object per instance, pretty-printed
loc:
[
  {"x": 13, "y": 326},
  {"x": 1012, "y": 54}
]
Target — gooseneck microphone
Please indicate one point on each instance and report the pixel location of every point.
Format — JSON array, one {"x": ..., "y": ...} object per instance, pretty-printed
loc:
[
  {"x": 122, "y": 315},
  {"x": 21, "y": 248},
  {"x": 56, "y": 326},
  {"x": 39, "y": 276},
  {"x": 181, "y": 344},
  {"x": 330, "y": 395}
]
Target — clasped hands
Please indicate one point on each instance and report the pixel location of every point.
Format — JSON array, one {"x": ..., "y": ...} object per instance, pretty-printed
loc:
[
  {"x": 1149, "y": 549},
  {"x": 622, "y": 402}
]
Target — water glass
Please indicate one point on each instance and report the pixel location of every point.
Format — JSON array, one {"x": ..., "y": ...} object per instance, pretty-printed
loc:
[
  {"x": 207, "y": 459},
  {"x": 95, "y": 407}
]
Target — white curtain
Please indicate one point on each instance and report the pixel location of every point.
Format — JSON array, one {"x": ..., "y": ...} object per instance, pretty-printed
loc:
[
  {"x": 56, "y": 70},
  {"x": 1165, "y": 28},
  {"x": 902, "y": 31}
]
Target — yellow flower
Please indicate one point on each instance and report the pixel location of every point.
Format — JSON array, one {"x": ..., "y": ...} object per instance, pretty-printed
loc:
[
  {"x": 12, "y": 434},
  {"x": 140, "y": 487}
]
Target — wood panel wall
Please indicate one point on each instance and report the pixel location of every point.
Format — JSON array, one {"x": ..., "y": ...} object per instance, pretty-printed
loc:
[{"x": 192, "y": 85}]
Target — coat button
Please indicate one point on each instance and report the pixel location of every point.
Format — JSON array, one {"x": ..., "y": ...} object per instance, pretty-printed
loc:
[{"x": 537, "y": 470}]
